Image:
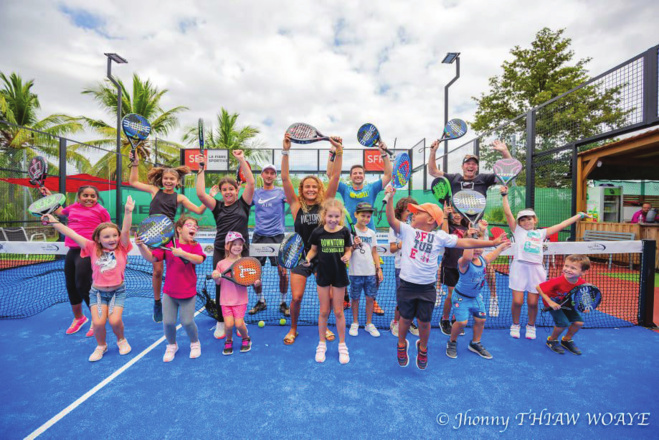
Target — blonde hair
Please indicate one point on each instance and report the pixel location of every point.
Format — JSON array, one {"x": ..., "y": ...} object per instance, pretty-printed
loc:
[
  {"x": 332, "y": 204},
  {"x": 227, "y": 247},
  {"x": 320, "y": 198},
  {"x": 154, "y": 177},
  {"x": 96, "y": 236},
  {"x": 580, "y": 259}
]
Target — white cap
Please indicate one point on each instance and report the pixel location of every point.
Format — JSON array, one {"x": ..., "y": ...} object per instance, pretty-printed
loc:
[
  {"x": 271, "y": 167},
  {"x": 525, "y": 213}
]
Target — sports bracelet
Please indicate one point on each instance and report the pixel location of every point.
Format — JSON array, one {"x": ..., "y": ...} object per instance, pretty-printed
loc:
[
  {"x": 284, "y": 153},
  {"x": 504, "y": 194}
]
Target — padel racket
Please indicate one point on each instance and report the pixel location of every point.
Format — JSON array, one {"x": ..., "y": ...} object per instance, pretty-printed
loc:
[
  {"x": 369, "y": 136},
  {"x": 584, "y": 298},
  {"x": 210, "y": 305},
  {"x": 351, "y": 226},
  {"x": 506, "y": 170},
  {"x": 46, "y": 205},
  {"x": 200, "y": 135},
  {"x": 399, "y": 178},
  {"x": 442, "y": 191},
  {"x": 454, "y": 129},
  {"x": 471, "y": 204},
  {"x": 244, "y": 271},
  {"x": 290, "y": 251},
  {"x": 37, "y": 171},
  {"x": 157, "y": 231},
  {"x": 136, "y": 128},
  {"x": 301, "y": 133},
  {"x": 240, "y": 174}
]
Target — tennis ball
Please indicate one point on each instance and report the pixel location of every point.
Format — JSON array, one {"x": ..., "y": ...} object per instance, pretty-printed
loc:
[
  {"x": 261, "y": 324},
  {"x": 282, "y": 321}
]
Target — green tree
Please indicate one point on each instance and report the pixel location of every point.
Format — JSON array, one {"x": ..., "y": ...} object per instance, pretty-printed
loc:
[
  {"x": 534, "y": 76},
  {"x": 145, "y": 101}
]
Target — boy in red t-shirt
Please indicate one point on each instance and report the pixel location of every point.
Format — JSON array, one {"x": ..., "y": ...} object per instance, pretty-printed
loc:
[{"x": 553, "y": 292}]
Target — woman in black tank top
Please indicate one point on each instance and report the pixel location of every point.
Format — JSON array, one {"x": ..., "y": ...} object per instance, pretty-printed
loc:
[
  {"x": 162, "y": 186},
  {"x": 305, "y": 209}
]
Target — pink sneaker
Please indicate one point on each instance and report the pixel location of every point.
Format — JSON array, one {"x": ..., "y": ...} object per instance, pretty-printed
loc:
[
  {"x": 76, "y": 325},
  {"x": 90, "y": 332}
]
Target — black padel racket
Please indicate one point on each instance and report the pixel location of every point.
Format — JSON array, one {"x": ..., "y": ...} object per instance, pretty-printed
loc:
[
  {"x": 46, "y": 205},
  {"x": 290, "y": 251},
  {"x": 157, "y": 231},
  {"x": 351, "y": 225},
  {"x": 442, "y": 191},
  {"x": 471, "y": 204},
  {"x": 136, "y": 128},
  {"x": 200, "y": 128},
  {"x": 369, "y": 136},
  {"x": 301, "y": 133},
  {"x": 507, "y": 169},
  {"x": 37, "y": 171},
  {"x": 244, "y": 271},
  {"x": 584, "y": 298}
]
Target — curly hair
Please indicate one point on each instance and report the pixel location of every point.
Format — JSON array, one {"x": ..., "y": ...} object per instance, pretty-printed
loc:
[
  {"x": 401, "y": 206},
  {"x": 154, "y": 177},
  {"x": 331, "y": 204},
  {"x": 320, "y": 198}
]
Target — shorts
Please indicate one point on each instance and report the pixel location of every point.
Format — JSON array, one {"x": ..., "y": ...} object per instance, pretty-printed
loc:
[
  {"x": 306, "y": 271},
  {"x": 397, "y": 278},
  {"x": 563, "y": 318},
  {"x": 238, "y": 312},
  {"x": 526, "y": 276},
  {"x": 276, "y": 239},
  {"x": 464, "y": 305},
  {"x": 114, "y": 298},
  {"x": 367, "y": 283},
  {"x": 409, "y": 303},
  {"x": 449, "y": 276}
]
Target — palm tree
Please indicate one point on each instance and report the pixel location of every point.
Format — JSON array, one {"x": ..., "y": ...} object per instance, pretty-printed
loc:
[{"x": 145, "y": 101}]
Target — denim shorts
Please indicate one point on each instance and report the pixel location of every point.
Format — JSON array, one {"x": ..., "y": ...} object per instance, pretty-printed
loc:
[
  {"x": 367, "y": 283},
  {"x": 563, "y": 318},
  {"x": 114, "y": 298},
  {"x": 464, "y": 305}
]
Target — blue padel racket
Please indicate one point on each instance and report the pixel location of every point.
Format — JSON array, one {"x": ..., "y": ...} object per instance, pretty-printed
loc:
[
  {"x": 399, "y": 178},
  {"x": 201, "y": 136},
  {"x": 506, "y": 170},
  {"x": 471, "y": 204},
  {"x": 136, "y": 128},
  {"x": 46, "y": 205},
  {"x": 442, "y": 191},
  {"x": 37, "y": 171},
  {"x": 584, "y": 298},
  {"x": 157, "y": 231},
  {"x": 369, "y": 136},
  {"x": 290, "y": 251},
  {"x": 454, "y": 129},
  {"x": 301, "y": 133}
]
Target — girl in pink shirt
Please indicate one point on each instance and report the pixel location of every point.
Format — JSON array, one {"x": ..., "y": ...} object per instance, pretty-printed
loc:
[
  {"x": 108, "y": 250},
  {"x": 83, "y": 217},
  {"x": 234, "y": 297},
  {"x": 180, "y": 284}
]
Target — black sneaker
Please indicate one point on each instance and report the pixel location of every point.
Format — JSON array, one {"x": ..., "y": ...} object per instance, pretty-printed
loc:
[
  {"x": 258, "y": 307},
  {"x": 452, "y": 349},
  {"x": 571, "y": 347},
  {"x": 478, "y": 348},
  {"x": 157, "y": 311},
  {"x": 445, "y": 326},
  {"x": 228, "y": 348},
  {"x": 555, "y": 346},
  {"x": 421, "y": 356},
  {"x": 246, "y": 345},
  {"x": 403, "y": 358},
  {"x": 283, "y": 308}
]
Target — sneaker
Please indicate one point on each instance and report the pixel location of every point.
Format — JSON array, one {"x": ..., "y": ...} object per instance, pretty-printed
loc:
[
  {"x": 494, "y": 306},
  {"x": 219, "y": 331},
  {"x": 258, "y": 307},
  {"x": 477, "y": 347},
  {"x": 571, "y": 346},
  {"x": 403, "y": 358},
  {"x": 394, "y": 328},
  {"x": 462, "y": 332},
  {"x": 354, "y": 329},
  {"x": 246, "y": 345},
  {"x": 344, "y": 357},
  {"x": 452, "y": 349},
  {"x": 98, "y": 353},
  {"x": 170, "y": 352},
  {"x": 377, "y": 309},
  {"x": 346, "y": 305},
  {"x": 414, "y": 329},
  {"x": 283, "y": 308},
  {"x": 157, "y": 311},
  {"x": 228, "y": 348},
  {"x": 370, "y": 328},
  {"x": 530, "y": 332},
  {"x": 124, "y": 347},
  {"x": 514, "y": 331},
  {"x": 195, "y": 350},
  {"x": 320, "y": 352},
  {"x": 76, "y": 325},
  {"x": 90, "y": 332},
  {"x": 421, "y": 356},
  {"x": 445, "y": 326},
  {"x": 555, "y": 346}
]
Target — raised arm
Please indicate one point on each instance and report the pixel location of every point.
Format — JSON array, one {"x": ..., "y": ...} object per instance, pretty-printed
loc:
[
  {"x": 467, "y": 255},
  {"x": 389, "y": 210},
  {"x": 250, "y": 183},
  {"x": 497, "y": 251},
  {"x": 470, "y": 243},
  {"x": 286, "y": 182},
  {"x": 200, "y": 185},
  {"x": 65, "y": 230},
  {"x": 448, "y": 210},
  {"x": 187, "y": 204},
  {"x": 46, "y": 192},
  {"x": 388, "y": 166},
  {"x": 128, "y": 221},
  {"x": 333, "y": 184},
  {"x": 510, "y": 218},
  {"x": 134, "y": 179},
  {"x": 330, "y": 162},
  {"x": 432, "y": 162},
  {"x": 502, "y": 148},
  {"x": 565, "y": 223}
]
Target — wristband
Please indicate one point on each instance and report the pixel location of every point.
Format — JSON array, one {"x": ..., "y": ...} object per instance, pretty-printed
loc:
[
  {"x": 284, "y": 153},
  {"x": 383, "y": 155},
  {"x": 504, "y": 194}
]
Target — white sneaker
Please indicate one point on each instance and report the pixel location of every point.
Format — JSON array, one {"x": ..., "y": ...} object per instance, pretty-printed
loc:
[
  {"x": 195, "y": 350},
  {"x": 414, "y": 330},
  {"x": 494, "y": 306},
  {"x": 370, "y": 328},
  {"x": 394, "y": 328},
  {"x": 124, "y": 347},
  {"x": 344, "y": 357},
  {"x": 514, "y": 331},
  {"x": 320, "y": 352},
  {"x": 219, "y": 331},
  {"x": 354, "y": 329},
  {"x": 170, "y": 352},
  {"x": 530, "y": 332},
  {"x": 98, "y": 353}
]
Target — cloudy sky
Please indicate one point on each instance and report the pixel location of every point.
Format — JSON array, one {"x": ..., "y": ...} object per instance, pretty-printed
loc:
[{"x": 334, "y": 64}]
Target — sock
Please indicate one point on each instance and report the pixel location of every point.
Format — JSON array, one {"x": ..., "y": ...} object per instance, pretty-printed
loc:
[{"x": 283, "y": 298}]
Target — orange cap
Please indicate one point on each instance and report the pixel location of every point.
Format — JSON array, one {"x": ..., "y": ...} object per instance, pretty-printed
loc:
[{"x": 433, "y": 210}]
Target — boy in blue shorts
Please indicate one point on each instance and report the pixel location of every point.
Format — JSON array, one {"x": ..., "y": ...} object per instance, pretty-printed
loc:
[
  {"x": 467, "y": 297},
  {"x": 553, "y": 293}
]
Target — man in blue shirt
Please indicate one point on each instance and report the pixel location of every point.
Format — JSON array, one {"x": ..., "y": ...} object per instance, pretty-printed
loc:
[{"x": 269, "y": 227}]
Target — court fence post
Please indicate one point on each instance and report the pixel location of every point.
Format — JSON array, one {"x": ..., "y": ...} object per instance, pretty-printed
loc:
[
  {"x": 646, "y": 284},
  {"x": 62, "y": 173}
]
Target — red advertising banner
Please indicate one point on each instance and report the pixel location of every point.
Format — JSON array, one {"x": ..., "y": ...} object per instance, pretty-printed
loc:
[{"x": 372, "y": 160}]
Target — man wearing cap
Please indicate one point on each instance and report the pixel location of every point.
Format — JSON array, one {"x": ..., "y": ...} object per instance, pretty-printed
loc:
[{"x": 269, "y": 227}]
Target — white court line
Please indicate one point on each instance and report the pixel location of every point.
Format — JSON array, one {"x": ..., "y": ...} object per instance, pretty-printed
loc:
[{"x": 98, "y": 387}]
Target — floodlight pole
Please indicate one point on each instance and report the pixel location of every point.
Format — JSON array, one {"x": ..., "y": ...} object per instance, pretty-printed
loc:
[
  {"x": 449, "y": 59},
  {"x": 118, "y": 201}
]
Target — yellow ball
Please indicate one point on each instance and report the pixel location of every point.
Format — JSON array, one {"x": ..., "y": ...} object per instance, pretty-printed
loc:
[
  {"x": 261, "y": 324},
  {"x": 282, "y": 321}
]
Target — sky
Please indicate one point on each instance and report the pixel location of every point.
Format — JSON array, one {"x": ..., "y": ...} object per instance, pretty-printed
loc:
[{"x": 333, "y": 64}]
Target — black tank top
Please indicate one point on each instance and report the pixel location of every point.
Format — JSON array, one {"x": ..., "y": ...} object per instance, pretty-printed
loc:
[
  {"x": 306, "y": 222},
  {"x": 164, "y": 203}
]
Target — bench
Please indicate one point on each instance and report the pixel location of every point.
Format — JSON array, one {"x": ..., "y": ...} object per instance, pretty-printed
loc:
[
  {"x": 19, "y": 234},
  {"x": 592, "y": 235}
]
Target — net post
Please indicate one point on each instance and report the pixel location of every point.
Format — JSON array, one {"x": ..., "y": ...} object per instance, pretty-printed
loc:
[
  {"x": 62, "y": 173},
  {"x": 530, "y": 151},
  {"x": 646, "y": 293}
]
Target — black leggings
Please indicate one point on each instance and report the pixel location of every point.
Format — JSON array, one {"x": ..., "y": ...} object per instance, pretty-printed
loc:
[{"x": 78, "y": 274}]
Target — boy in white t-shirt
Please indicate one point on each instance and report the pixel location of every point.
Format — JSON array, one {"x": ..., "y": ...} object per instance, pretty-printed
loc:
[
  {"x": 420, "y": 255},
  {"x": 364, "y": 270}
]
